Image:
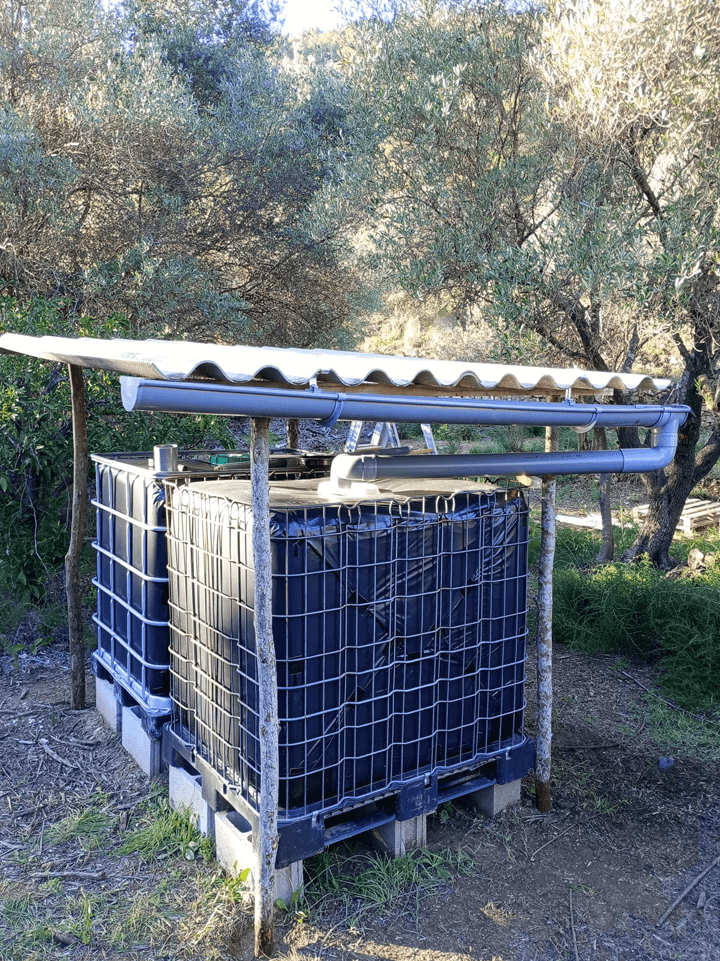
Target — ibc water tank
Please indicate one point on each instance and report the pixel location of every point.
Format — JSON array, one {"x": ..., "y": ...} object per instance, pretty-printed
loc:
[{"x": 399, "y": 625}]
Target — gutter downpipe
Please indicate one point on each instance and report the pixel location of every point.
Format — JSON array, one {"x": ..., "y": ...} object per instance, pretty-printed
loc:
[
  {"x": 192, "y": 397},
  {"x": 365, "y": 468}
]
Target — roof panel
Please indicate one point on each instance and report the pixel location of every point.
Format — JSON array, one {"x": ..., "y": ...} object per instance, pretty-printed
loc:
[{"x": 182, "y": 360}]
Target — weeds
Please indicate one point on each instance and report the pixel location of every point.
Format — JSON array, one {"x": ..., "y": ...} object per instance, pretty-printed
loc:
[
  {"x": 89, "y": 826},
  {"x": 358, "y": 885},
  {"x": 634, "y": 609},
  {"x": 167, "y": 833},
  {"x": 677, "y": 732}
]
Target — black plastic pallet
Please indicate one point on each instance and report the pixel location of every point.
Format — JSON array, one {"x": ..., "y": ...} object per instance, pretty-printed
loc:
[
  {"x": 152, "y": 724},
  {"x": 304, "y": 837}
]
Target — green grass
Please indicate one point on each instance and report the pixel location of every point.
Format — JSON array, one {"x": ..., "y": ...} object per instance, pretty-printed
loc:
[
  {"x": 46, "y": 925},
  {"x": 680, "y": 733},
  {"x": 166, "y": 833},
  {"x": 353, "y": 886},
  {"x": 634, "y": 609},
  {"x": 89, "y": 825}
]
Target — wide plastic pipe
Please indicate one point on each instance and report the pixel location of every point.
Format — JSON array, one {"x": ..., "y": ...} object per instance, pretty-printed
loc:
[
  {"x": 367, "y": 468},
  {"x": 192, "y": 397},
  {"x": 201, "y": 398}
]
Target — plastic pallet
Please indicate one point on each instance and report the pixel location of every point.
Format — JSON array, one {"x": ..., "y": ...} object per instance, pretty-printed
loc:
[
  {"x": 304, "y": 837},
  {"x": 152, "y": 723}
]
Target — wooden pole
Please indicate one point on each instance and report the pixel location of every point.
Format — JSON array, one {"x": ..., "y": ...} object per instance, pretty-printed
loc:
[
  {"x": 267, "y": 840},
  {"x": 543, "y": 732},
  {"x": 292, "y": 433},
  {"x": 605, "y": 497},
  {"x": 77, "y": 532}
]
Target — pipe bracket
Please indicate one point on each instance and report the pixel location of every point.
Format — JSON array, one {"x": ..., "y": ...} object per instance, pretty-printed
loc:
[{"x": 336, "y": 412}]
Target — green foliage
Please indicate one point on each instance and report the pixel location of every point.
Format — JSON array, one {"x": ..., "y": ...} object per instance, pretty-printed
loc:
[
  {"x": 166, "y": 833},
  {"x": 635, "y": 609},
  {"x": 455, "y": 433},
  {"x": 159, "y": 160},
  {"x": 36, "y": 453},
  {"x": 551, "y": 182},
  {"x": 89, "y": 825},
  {"x": 358, "y": 885},
  {"x": 575, "y": 547},
  {"x": 680, "y": 732}
]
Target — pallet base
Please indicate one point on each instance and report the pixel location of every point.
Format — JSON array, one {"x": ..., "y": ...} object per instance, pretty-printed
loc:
[
  {"x": 185, "y": 791},
  {"x": 235, "y": 853},
  {"x": 144, "y": 749},
  {"x": 308, "y": 834},
  {"x": 233, "y": 834},
  {"x": 107, "y": 704},
  {"x": 398, "y": 837},
  {"x": 141, "y": 732},
  {"x": 697, "y": 515}
]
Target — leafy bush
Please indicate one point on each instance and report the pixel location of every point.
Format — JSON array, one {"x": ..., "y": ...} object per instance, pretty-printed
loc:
[{"x": 36, "y": 453}]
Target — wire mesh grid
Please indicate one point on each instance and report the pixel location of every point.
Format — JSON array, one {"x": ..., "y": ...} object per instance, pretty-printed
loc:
[
  {"x": 131, "y": 558},
  {"x": 399, "y": 631}
]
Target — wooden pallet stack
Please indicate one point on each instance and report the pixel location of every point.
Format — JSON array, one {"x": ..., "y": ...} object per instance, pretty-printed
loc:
[{"x": 697, "y": 514}]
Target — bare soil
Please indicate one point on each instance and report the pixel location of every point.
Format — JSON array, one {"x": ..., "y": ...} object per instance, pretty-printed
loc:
[{"x": 589, "y": 880}]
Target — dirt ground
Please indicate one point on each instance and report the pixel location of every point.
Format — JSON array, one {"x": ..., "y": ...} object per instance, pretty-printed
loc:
[
  {"x": 631, "y": 827},
  {"x": 589, "y": 880}
]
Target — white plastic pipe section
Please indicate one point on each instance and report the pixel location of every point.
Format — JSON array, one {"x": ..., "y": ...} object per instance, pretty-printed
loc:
[{"x": 192, "y": 397}]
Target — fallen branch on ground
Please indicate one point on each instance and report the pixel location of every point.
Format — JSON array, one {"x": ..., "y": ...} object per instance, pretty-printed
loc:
[{"x": 681, "y": 897}]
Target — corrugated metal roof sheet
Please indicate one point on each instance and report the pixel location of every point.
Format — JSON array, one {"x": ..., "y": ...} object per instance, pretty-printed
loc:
[{"x": 181, "y": 360}]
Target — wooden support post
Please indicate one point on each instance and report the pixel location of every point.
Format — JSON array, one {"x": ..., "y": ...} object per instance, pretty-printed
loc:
[
  {"x": 77, "y": 532},
  {"x": 292, "y": 433},
  {"x": 267, "y": 841},
  {"x": 544, "y": 639},
  {"x": 605, "y": 496}
]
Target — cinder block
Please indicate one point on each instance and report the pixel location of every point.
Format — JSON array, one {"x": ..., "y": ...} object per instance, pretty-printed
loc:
[
  {"x": 490, "y": 801},
  {"x": 108, "y": 705},
  {"x": 144, "y": 750},
  {"x": 186, "y": 792},
  {"x": 399, "y": 837},
  {"x": 235, "y": 852}
]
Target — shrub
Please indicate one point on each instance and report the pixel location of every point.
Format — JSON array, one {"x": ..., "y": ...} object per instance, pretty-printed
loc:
[
  {"x": 36, "y": 454},
  {"x": 636, "y": 609}
]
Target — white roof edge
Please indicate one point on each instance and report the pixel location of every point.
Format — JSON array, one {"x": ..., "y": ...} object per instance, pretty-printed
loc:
[{"x": 239, "y": 364}]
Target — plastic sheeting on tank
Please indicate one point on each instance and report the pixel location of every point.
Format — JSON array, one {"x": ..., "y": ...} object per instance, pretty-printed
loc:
[{"x": 399, "y": 631}]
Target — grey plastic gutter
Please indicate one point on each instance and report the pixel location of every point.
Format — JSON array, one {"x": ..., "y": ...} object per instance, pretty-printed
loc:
[{"x": 329, "y": 407}]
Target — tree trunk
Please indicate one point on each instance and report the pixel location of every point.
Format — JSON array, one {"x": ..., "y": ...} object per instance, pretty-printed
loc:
[
  {"x": 668, "y": 489},
  {"x": 267, "y": 841},
  {"x": 543, "y": 732},
  {"x": 292, "y": 433},
  {"x": 605, "y": 492},
  {"x": 77, "y": 533}
]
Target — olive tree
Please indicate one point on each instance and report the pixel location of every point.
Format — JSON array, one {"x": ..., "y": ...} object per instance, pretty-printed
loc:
[
  {"x": 159, "y": 161},
  {"x": 637, "y": 87},
  {"x": 509, "y": 164}
]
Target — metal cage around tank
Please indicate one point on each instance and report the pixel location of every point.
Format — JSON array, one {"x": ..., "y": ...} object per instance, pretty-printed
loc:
[
  {"x": 399, "y": 624},
  {"x": 131, "y": 558}
]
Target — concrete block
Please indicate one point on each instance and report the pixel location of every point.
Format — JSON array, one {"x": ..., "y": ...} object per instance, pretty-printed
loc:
[
  {"x": 186, "y": 793},
  {"x": 490, "y": 801},
  {"x": 146, "y": 751},
  {"x": 399, "y": 837},
  {"x": 235, "y": 852},
  {"x": 107, "y": 704}
]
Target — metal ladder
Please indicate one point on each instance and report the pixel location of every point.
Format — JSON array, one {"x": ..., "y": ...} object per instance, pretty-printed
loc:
[{"x": 384, "y": 435}]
